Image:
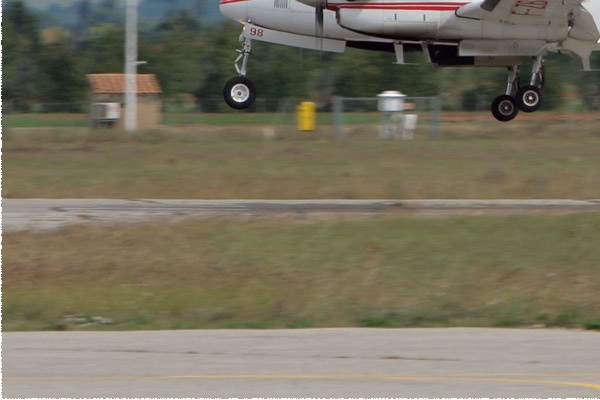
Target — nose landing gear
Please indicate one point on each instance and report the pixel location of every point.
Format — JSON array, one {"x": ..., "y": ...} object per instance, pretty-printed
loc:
[
  {"x": 527, "y": 98},
  {"x": 239, "y": 92}
]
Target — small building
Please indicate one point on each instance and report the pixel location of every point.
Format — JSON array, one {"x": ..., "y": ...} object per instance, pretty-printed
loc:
[{"x": 107, "y": 98}]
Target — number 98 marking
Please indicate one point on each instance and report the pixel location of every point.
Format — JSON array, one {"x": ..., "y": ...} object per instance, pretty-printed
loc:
[{"x": 257, "y": 32}]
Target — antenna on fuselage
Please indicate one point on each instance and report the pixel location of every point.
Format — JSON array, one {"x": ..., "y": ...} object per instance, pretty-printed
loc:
[
  {"x": 320, "y": 8},
  {"x": 320, "y": 16}
]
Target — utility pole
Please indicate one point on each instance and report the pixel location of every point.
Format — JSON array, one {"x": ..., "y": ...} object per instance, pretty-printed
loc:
[{"x": 131, "y": 55}]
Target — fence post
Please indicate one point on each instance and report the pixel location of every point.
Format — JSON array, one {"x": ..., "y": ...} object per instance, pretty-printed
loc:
[
  {"x": 436, "y": 111},
  {"x": 338, "y": 117}
]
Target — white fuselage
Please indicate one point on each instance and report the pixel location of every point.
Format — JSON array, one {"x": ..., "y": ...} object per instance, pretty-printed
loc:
[
  {"x": 397, "y": 20},
  {"x": 486, "y": 33},
  {"x": 519, "y": 28},
  {"x": 283, "y": 15}
]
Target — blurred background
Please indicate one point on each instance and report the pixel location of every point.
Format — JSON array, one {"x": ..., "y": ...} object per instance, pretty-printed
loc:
[{"x": 50, "y": 46}]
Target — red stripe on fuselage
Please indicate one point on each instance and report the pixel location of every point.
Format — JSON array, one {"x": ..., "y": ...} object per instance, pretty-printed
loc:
[
  {"x": 231, "y": 1},
  {"x": 405, "y": 6}
]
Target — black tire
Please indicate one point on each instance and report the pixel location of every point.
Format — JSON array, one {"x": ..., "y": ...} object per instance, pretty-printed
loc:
[
  {"x": 529, "y": 98},
  {"x": 239, "y": 93},
  {"x": 504, "y": 108}
]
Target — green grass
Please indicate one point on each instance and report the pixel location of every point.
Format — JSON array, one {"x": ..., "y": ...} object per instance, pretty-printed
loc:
[
  {"x": 45, "y": 120},
  {"x": 474, "y": 122},
  {"x": 249, "y": 118},
  {"x": 260, "y": 162},
  {"x": 42, "y": 120},
  {"x": 389, "y": 271}
]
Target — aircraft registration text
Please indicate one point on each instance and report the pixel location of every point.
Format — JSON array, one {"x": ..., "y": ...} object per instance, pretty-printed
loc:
[{"x": 533, "y": 8}]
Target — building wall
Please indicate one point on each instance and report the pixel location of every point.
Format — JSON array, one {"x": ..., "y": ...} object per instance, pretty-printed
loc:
[{"x": 149, "y": 112}]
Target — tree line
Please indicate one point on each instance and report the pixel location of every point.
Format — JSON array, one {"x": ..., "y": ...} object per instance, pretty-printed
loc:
[{"x": 192, "y": 56}]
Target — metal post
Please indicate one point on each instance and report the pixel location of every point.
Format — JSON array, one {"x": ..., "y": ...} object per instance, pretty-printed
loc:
[
  {"x": 131, "y": 54},
  {"x": 338, "y": 117},
  {"x": 436, "y": 111}
]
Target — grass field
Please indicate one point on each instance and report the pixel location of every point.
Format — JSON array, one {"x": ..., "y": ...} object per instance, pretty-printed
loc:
[
  {"x": 521, "y": 161},
  {"x": 549, "y": 121},
  {"x": 45, "y": 120},
  {"x": 386, "y": 270}
]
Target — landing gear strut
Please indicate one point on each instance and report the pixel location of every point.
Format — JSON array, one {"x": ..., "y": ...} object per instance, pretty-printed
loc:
[
  {"x": 504, "y": 107},
  {"x": 240, "y": 92},
  {"x": 527, "y": 98}
]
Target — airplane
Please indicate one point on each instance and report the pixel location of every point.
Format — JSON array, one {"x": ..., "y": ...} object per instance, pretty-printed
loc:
[{"x": 481, "y": 33}]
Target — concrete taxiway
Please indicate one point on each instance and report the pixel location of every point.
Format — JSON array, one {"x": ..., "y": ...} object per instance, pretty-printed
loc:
[
  {"x": 450, "y": 362},
  {"x": 21, "y": 214}
]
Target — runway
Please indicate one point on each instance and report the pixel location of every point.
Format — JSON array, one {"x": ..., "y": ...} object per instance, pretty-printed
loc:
[
  {"x": 450, "y": 362},
  {"x": 22, "y": 214}
]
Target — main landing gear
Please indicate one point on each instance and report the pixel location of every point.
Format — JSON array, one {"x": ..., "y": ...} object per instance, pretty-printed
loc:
[
  {"x": 239, "y": 92},
  {"x": 526, "y": 98}
]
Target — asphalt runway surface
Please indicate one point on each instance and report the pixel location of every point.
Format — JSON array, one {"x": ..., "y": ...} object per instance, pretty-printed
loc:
[
  {"x": 23, "y": 214},
  {"x": 344, "y": 362}
]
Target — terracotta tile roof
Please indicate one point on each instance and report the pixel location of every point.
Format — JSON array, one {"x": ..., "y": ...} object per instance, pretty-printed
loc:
[{"x": 115, "y": 83}]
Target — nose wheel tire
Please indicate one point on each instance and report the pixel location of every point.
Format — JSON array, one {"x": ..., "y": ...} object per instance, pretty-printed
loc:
[
  {"x": 239, "y": 93},
  {"x": 529, "y": 98},
  {"x": 504, "y": 108}
]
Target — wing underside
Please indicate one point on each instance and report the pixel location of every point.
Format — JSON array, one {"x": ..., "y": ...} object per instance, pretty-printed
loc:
[
  {"x": 579, "y": 19},
  {"x": 534, "y": 12}
]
